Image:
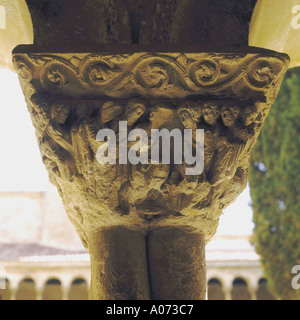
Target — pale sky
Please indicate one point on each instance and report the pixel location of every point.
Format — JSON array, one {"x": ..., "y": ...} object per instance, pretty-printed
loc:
[{"x": 21, "y": 167}]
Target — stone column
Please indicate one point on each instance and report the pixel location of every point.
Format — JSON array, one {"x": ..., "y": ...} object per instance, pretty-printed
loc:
[
  {"x": 119, "y": 265},
  {"x": 176, "y": 264},
  {"x": 146, "y": 223}
]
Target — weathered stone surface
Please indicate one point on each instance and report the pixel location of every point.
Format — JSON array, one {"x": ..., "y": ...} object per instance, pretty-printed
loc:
[
  {"x": 119, "y": 265},
  {"x": 160, "y": 64},
  {"x": 56, "y": 23},
  {"x": 176, "y": 260},
  {"x": 72, "y": 96}
]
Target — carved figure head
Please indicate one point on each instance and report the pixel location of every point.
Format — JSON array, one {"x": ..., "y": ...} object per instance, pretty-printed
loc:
[
  {"x": 159, "y": 174},
  {"x": 189, "y": 115},
  {"x": 229, "y": 114},
  {"x": 80, "y": 111},
  {"x": 109, "y": 111},
  {"x": 210, "y": 114},
  {"x": 249, "y": 114},
  {"x": 60, "y": 113},
  {"x": 134, "y": 110},
  {"x": 160, "y": 116}
]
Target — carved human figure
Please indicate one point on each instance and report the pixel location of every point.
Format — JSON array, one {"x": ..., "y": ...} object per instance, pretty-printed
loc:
[
  {"x": 249, "y": 114},
  {"x": 110, "y": 111},
  {"x": 142, "y": 179},
  {"x": 227, "y": 150},
  {"x": 200, "y": 198},
  {"x": 84, "y": 131},
  {"x": 245, "y": 129},
  {"x": 162, "y": 115},
  {"x": 189, "y": 114},
  {"x": 210, "y": 113},
  {"x": 262, "y": 111},
  {"x": 134, "y": 110},
  {"x": 134, "y": 255},
  {"x": 179, "y": 189},
  {"x": 60, "y": 113},
  {"x": 113, "y": 112},
  {"x": 40, "y": 113},
  {"x": 55, "y": 147},
  {"x": 54, "y": 152},
  {"x": 229, "y": 115},
  {"x": 231, "y": 190},
  {"x": 55, "y": 129}
]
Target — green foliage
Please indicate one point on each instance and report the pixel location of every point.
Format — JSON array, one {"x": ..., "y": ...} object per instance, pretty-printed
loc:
[{"x": 274, "y": 180}]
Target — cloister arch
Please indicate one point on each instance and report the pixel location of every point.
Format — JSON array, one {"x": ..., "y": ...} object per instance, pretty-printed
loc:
[
  {"x": 5, "y": 291},
  {"x": 215, "y": 289},
  {"x": 52, "y": 290},
  {"x": 262, "y": 292},
  {"x": 26, "y": 290},
  {"x": 78, "y": 289},
  {"x": 240, "y": 289}
]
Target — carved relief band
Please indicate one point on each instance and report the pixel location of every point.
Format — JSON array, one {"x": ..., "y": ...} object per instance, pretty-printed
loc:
[
  {"x": 71, "y": 96},
  {"x": 165, "y": 75}
]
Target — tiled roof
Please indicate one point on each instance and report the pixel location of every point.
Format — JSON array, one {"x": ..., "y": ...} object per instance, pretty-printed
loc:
[
  {"x": 17, "y": 251},
  {"x": 221, "y": 248},
  {"x": 231, "y": 248}
]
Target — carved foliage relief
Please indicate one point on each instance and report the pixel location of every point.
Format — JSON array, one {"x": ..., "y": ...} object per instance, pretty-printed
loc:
[{"x": 72, "y": 96}]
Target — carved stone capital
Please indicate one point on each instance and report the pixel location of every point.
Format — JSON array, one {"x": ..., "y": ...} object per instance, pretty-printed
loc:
[{"x": 71, "y": 96}]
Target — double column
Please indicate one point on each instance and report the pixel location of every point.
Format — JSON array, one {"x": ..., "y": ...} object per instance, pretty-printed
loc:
[
  {"x": 146, "y": 223},
  {"x": 168, "y": 263}
]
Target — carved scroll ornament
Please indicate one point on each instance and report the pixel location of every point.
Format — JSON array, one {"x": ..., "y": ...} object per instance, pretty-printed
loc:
[{"x": 72, "y": 96}]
